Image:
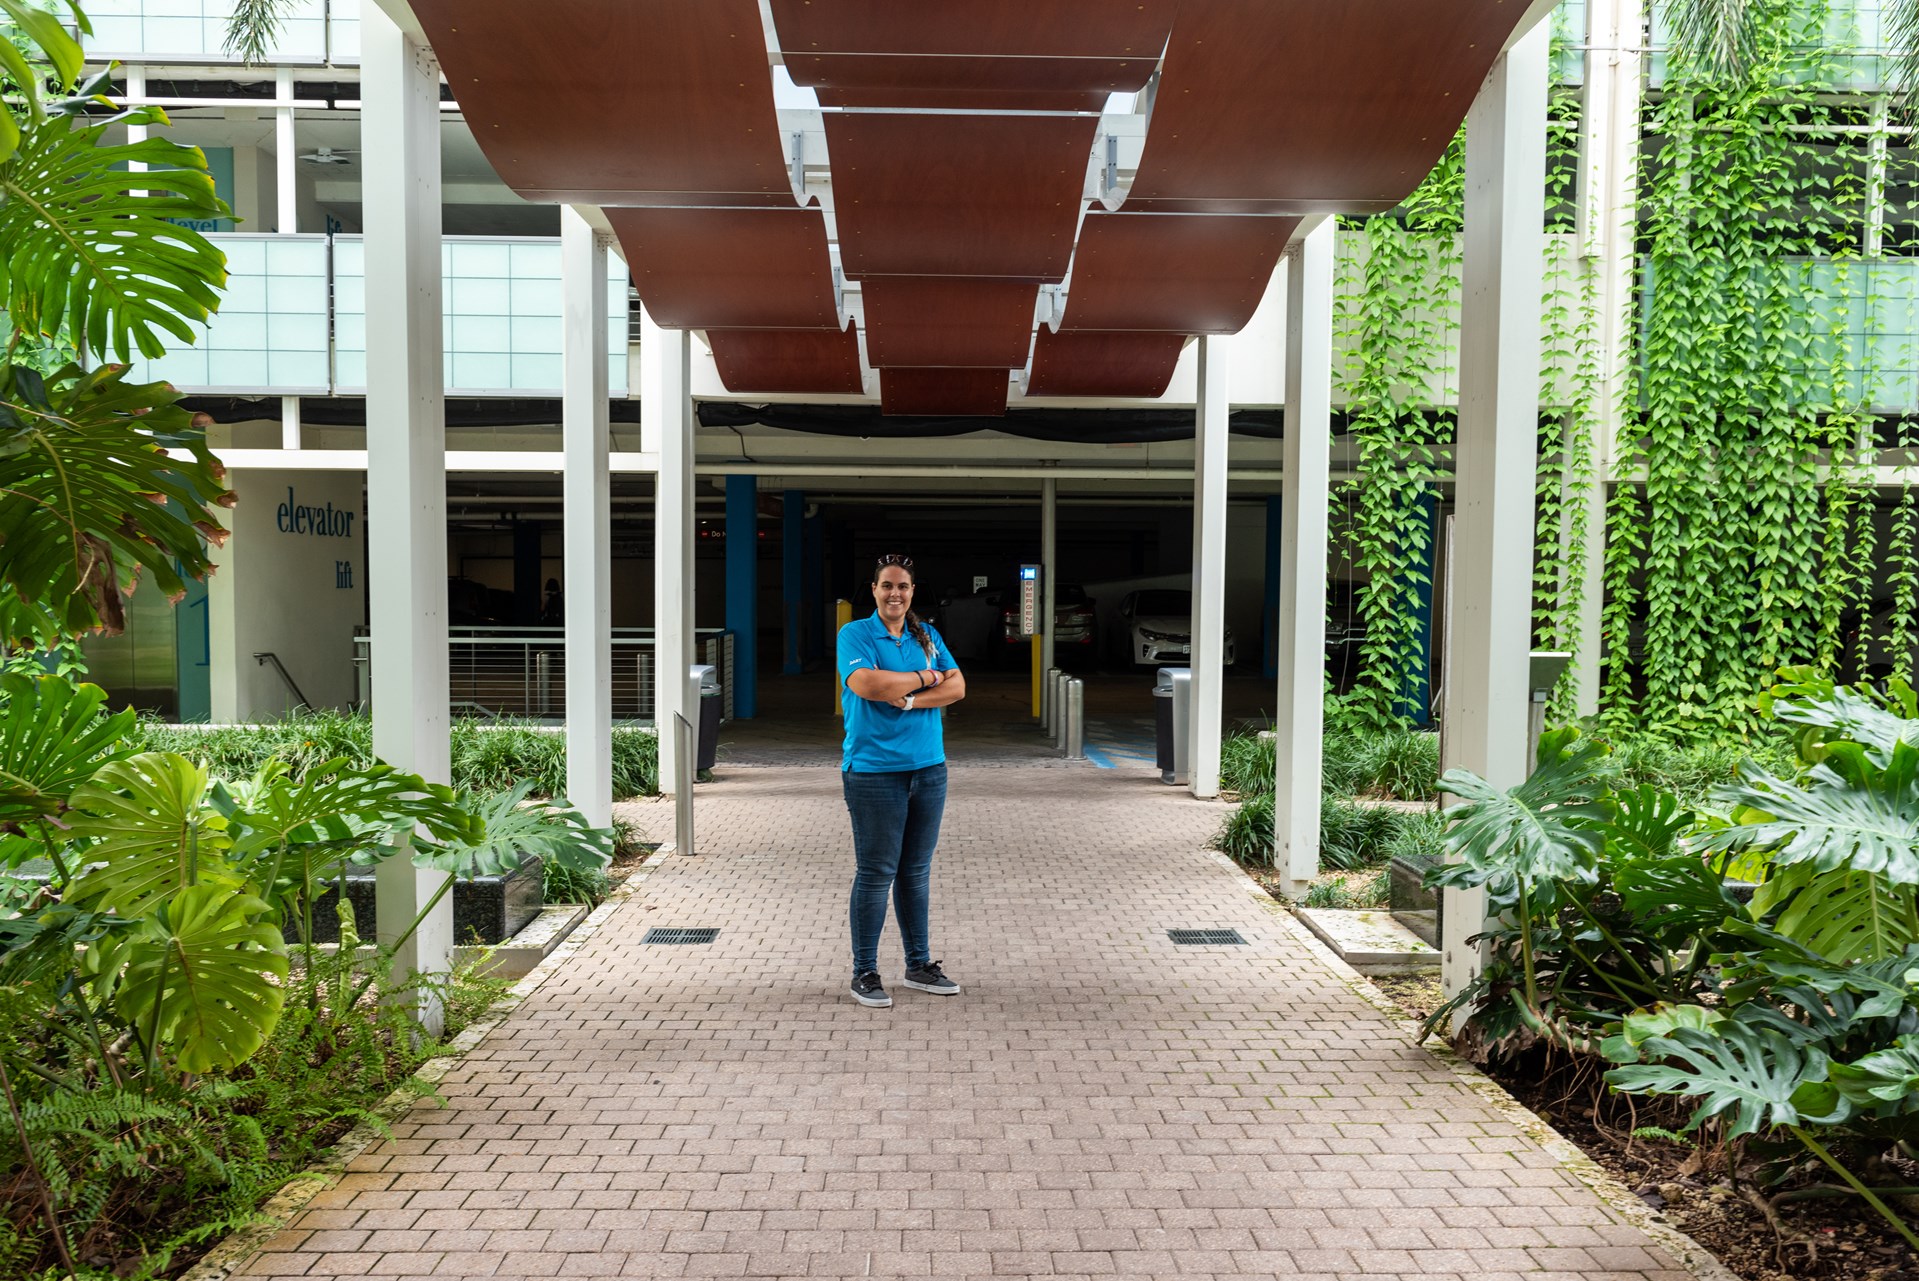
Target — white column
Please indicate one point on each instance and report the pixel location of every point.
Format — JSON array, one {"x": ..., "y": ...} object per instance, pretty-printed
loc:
[
  {"x": 1609, "y": 195},
  {"x": 1209, "y": 567},
  {"x": 1049, "y": 572},
  {"x": 286, "y": 156},
  {"x": 671, "y": 404},
  {"x": 136, "y": 90},
  {"x": 587, "y": 521},
  {"x": 1497, "y": 455},
  {"x": 1305, "y": 491},
  {"x": 406, "y": 458}
]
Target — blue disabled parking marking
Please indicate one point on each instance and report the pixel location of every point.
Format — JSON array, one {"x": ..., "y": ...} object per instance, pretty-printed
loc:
[{"x": 1098, "y": 757}]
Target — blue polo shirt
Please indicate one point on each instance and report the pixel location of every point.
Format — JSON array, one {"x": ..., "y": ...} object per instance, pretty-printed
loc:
[{"x": 881, "y": 738}]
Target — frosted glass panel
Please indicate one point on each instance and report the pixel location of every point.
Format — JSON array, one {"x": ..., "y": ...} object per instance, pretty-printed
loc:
[
  {"x": 502, "y": 332},
  {"x": 270, "y": 334},
  {"x": 195, "y": 30}
]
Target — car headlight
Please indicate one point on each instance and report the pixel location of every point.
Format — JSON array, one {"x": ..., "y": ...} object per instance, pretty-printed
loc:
[{"x": 1148, "y": 634}]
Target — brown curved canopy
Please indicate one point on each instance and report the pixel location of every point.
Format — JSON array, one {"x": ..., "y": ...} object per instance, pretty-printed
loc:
[{"x": 960, "y": 137}]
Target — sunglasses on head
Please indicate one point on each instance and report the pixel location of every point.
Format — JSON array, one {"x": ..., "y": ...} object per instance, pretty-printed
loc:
[{"x": 904, "y": 562}]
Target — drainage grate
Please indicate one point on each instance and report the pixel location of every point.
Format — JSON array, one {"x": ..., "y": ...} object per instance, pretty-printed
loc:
[
  {"x": 658, "y": 935},
  {"x": 1204, "y": 938}
]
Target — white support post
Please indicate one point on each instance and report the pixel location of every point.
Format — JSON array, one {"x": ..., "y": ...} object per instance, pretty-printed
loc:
[
  {"x": 671, "y": 404},
  {"x": 1209, "y": 567},
  {"x": 406, "y": 467},
  {"x": 1608, "y": 197},
  {"x": 1048, "y": 554},
  {"x": 1305, "y": 493},
  {"x": 286, "y": 157},
  {"x": 291, "y": 432},
  {"x": 136, "y": 90},
  {"x": 586, "y": 520},
  {"x": 1496, "y": 459}
]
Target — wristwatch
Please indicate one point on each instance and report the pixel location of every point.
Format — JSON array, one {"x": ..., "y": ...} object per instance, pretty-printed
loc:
[{"x": 907, "y": 705}]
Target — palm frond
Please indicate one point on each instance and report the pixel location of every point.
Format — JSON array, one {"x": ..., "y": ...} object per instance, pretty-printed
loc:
[
  {"x": 252, "y": 28},
  {"x": 1719, "y": 37}
]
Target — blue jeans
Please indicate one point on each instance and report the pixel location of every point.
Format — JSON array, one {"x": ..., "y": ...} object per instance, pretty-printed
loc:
[{"x": 896, "y": 824}]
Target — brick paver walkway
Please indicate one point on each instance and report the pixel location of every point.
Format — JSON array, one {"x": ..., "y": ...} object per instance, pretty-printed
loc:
[{"x": 1097, "y": 1102}]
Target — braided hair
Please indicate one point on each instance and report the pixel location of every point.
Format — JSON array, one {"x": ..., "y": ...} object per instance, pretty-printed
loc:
[{"x": 913, "y": 623}]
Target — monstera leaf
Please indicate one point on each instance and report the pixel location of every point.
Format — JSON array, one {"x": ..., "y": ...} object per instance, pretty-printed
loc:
[
  {"x": 58, "y": 53},
  {"x": 1888, "y": 1076},
  {"x": 511, "y": 830},
  {"x": 1547, "y": 828},
  {"x": 52, "y": 739},
  {"x": 206, "y": 975},
  {"x": 1644, "y": 822},
  {"x": 154, "y": 836},
  {"x": 1842, "y": 915},
  {"x": 82, "y": 252},
  {"x": 1833, "y": 713},
  {"x": 1642, "y": 1026},
  {"x": 100, "y": 480},
  {"x": 1847, "y": 814},
  {"x": 338, "y": 801},
  {"x": 1757, "y": 1077}
]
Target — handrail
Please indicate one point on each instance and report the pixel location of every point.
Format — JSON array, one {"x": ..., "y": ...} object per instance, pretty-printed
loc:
[{"x": 278, "y": 666}]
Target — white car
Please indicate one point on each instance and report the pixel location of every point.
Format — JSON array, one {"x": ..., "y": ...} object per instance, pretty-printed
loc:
[{"x": 1161, "y": 619}]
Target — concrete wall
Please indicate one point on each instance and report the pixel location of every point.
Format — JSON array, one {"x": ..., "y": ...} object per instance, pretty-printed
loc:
[{"x": 291, "y": 582}]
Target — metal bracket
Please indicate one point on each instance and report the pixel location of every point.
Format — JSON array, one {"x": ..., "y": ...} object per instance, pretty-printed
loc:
[
  {"x": 799, "y": 162},
  {"x": 1112, "y": 162}
]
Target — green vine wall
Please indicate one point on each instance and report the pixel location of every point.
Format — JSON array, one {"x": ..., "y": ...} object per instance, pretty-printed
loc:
[
  {"x": 1749, "y": 538},
  {"x": 1747, "y": 529}
]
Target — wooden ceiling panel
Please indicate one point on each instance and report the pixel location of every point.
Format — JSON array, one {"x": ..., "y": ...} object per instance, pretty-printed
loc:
[
  {"x": 645, "y": 102},
  {"x": 961, "y": 195},
  {"x": 816, "y": 362},
  {"x": 945, "y": 321},
  {"x": 949, "y": 393},
  {"x": 1305, "y": 106},
  {"x": 981, "y": 47},
  {"x": 1187, "y": 273},
  {"x": 730, "y": 268},
  {"x": 1103, "y": 364}
]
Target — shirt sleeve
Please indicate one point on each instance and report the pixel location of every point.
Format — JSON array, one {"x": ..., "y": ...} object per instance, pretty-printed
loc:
[
  {"x": 855, "y": 652},
  {"x": 942, "y": 657}
]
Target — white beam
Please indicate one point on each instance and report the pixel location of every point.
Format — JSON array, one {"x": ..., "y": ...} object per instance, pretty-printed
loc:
[
  {"x": 587, "y": 521},
  {"x": 1608, "y": 200},
  {"x": 667, "y": 402},
  {"x": 1299, "y": 703},
  {"x": 406, "y": 465},
  {"x": 1484, "y": 729},
  {"x": 1209, "y": 568}
]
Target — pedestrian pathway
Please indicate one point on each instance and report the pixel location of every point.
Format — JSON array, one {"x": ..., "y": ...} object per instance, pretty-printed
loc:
[{"x": 1098, "y": 1102}]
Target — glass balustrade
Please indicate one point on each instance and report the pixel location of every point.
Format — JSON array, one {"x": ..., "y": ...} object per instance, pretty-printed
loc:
[
  {"x": 270, "y": 334},
  {"x": 276, "y": 335},
  {"x": 162, "y": 31},
  {"x": 501, "y": 298}
]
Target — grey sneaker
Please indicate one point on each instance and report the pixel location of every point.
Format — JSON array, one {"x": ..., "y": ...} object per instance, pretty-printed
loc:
[
  {"x": 867, "y": 990},
  {"x": 927, "y": 978}
]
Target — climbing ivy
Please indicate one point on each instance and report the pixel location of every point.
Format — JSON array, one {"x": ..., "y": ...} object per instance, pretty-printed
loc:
[
  {"x": 1394, "y": 314},
  {"x": 1730, "y": 558}
]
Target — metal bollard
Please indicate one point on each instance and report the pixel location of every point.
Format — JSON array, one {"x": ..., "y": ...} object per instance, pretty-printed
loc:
[
  {"x": 543, "y": 683},
  {"x": 1055, "y": 683},
  {"x": 1059, "y": 721},
  {"x": 1076, "y": 720},
  {"x": 1048, "y": 705},
  {"x": 688, "y": 743}
]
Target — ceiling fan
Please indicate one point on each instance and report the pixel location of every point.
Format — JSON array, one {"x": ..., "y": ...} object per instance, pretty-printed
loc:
[{"x": 329, "y": 156}]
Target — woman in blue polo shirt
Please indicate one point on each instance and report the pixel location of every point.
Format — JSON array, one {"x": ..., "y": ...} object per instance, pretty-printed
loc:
[{"x": 899, "y": 674}]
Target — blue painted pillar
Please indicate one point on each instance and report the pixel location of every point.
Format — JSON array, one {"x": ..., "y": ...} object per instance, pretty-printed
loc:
[
  {"x": 1416, "y": 685},
  {"x": 792, "y": 592},
  {"x": 1269, "y": 614},
  {"x": 743, "y": 590},
  {"x": 813, "y": 583}
]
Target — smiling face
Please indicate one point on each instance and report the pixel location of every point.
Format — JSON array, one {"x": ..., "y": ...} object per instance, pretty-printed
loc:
[{"x": 893, "y": 594}]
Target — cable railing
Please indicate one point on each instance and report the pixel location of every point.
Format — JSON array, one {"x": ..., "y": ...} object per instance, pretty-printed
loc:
[{"x": 500, "y": 672}]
